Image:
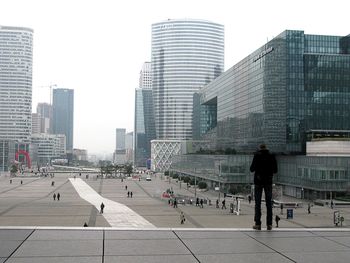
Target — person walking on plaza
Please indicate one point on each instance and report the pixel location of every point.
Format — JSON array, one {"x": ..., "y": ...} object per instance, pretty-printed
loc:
[
  {"x": 182, "y": 218},
  {"x": 308, "y": 208},
  {"x": 58, "y": 196},
  {"x": 102, "y": 206},
  {"x": 249, "y": 199},
  {"x": 277, "y": 219},
  {"x": 54, "y": 196},
  {"x": 281, "y": 206},
  {"x": 131, "y": 194},
  {"x": 126, "y": 187},
  {"x": 332, "y": 204},
  {"x": 223, "y": 204},
  {"x": 128, "y": 193},
  {"x": 175, "y": 203},
  {"x": 201, "y": 202},
  {"x": 197, "y": 201},
  {"x": 264, "y": 165},
  {"x": 217, "y": 203}
]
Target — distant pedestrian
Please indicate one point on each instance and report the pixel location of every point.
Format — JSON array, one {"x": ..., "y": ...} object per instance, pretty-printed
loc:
[
  {"x": 308, "y": 208},
  {"x": 52, "y": 183},
  {"x": 11, "y": 181},
  {"x": 85, "y": 224},
  {"x": 182, "y": 218},
  {"x": 281, "y": 206},
  {"x": 126, "y": 187},
  {"x": 277, "y": 219},
  {"x": 128, "y": 193},
  {"x": 249, "y": 199},
  {"x": 332, "y": 204},
  {"x": 223, "y": 204},
  {"x": 131, "y": 194},
  {"x": 102, "y": 206},
  {"x": 54, "y": 197},
  {"x": 197, "y": 201},
  {"x": 58, "y": 196},
  {"x": 21, "y": 182},
  {"x": 217, "y": 203},
  {"x": 175, "y": 203},
  {"x": 201, "y": 202}
]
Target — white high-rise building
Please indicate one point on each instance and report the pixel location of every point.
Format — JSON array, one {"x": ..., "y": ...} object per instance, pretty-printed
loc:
[
  {"x": 146, "y": 76},
  {"x": 186, "y": 55},
  {"x": 16, "y": 58}
]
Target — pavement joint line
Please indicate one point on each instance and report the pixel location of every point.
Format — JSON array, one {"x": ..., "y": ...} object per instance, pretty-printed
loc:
[
  {"x": 19, "y": 245},
  {"x": 186, "y": 246},
  {"x": 278, "y": 252},
  {"x": 338, "y": 243},
  {"x": 103, "y": 246}
]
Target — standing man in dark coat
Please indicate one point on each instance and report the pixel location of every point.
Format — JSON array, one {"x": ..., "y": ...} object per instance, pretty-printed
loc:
[{"x": 264, "y": 165}]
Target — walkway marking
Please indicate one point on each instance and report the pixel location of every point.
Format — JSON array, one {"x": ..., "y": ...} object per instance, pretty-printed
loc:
[{"x": 116, "y": 214}]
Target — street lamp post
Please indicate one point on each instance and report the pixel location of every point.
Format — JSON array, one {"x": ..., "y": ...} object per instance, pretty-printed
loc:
[{"x": 195, "y": 183}]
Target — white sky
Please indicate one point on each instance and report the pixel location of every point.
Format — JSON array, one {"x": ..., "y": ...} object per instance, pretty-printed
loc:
[{"x": 97, "y": 47}]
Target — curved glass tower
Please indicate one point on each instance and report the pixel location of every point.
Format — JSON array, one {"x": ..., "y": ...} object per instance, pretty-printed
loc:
[{"x": 186, "y": 54}]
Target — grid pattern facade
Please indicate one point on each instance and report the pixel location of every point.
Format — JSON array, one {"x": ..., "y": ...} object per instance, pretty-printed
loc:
[
  {"x": 16, "y": 59},
  {"x": 120, "y": 139},
  {"x": 146, "y": 76},
  {"x": 293, "y": 84},
  {"x": 186, "y": 54},
  {"x": 47, "y": 146},
  {"x": 63, "y": 113}
]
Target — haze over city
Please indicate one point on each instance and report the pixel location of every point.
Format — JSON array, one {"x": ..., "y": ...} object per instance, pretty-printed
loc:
[{"x": 98, "y": 48}]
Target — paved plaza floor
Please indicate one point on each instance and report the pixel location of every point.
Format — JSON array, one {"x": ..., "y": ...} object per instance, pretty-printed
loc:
[
  {"x": 32, "y": 245},
  {"x": 145, "y": 228}
]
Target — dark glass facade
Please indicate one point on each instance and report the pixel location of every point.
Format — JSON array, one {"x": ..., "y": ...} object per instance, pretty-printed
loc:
[
  {"x": 293, "y": 84},
  {"x": 144, "y": 126},
  {"x": 63, "y": 112}
]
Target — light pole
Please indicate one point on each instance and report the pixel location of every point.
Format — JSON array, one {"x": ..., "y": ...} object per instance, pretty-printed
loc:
[{"x": 195, "y": 183}]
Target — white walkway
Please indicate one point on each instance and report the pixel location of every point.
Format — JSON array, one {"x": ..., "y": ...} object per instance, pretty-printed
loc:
[{"x": 116, "y": 214}]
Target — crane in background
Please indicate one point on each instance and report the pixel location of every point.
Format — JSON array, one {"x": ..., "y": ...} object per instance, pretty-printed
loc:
[{"x": 50, "y": 87}]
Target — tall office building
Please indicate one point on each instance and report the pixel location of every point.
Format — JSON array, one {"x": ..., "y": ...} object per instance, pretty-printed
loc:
[
  {"x": 186, "y": 54},
  {"x": 144, "y": 127},
  {"x": 16, "y": 58},
  {"x": 63, "y": 112},
  {"x": 120, "y": 139},
  {"x": 45, "y": 111}
]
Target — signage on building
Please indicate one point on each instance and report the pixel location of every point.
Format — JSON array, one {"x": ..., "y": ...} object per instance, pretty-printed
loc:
[{"x": 263, "y": 54}]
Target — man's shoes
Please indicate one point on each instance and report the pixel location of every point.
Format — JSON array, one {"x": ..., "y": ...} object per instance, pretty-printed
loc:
[
  {"x": 269, "y": 227},
  {"x": 257, "y": 227}
]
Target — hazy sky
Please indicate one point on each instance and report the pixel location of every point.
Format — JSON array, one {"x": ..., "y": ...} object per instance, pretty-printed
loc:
[{"x": 97, "y": 47}]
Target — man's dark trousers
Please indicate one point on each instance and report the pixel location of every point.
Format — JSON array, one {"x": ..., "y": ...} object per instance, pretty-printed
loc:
[{"x": 268, "y": 199}]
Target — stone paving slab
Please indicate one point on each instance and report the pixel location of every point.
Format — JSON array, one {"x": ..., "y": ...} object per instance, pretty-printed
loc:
[
  {"x": 152, "y": 259},
  {"x": 90, "y": 259},
  {"x": 55, "y": 248}
]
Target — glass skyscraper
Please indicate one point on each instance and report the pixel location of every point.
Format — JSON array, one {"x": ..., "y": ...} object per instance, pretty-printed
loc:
[
  {"x": 186, "y": 55},
  {"x": 144, "y": 127},
  {"x": 293, "y": 85},
  {"x": 63, "y": 113}
]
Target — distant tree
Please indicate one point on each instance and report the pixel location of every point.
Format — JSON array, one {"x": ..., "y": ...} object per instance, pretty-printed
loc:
[
  {"x": 14, "y": 169},
  {"x": 166, "y": 173},
  {"x": 187, "y": 179},
  {"x": 202, "y": 185},
  {"x": 128, "y": 169}
]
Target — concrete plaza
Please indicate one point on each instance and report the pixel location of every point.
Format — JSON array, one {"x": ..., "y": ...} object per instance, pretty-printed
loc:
[{"x": 36, "y": 228}]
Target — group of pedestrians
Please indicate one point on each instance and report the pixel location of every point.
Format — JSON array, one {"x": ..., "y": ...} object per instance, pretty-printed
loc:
[{"x": 58, "y": 196}]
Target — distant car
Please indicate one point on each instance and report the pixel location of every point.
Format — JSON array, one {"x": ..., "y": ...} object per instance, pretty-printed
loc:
[{"x": 148, "y": 179}]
